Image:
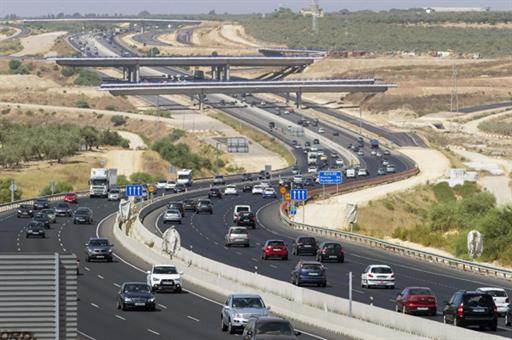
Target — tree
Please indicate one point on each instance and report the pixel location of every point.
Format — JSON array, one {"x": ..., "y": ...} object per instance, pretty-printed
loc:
[
  {"x": 14, "y": 64},
  {"x": 118, "y": 120},
  {"x": 90, "y": 136}
]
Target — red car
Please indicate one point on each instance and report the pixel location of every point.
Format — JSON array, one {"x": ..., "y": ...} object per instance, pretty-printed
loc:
[
  {"x": 71, "y": 197},
  {"x": 275, "y": 248},
  {"x": 416, "y": 299}
]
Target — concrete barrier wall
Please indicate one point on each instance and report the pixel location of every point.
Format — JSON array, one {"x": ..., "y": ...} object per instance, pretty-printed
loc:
[{"x": 296, "y": 303}]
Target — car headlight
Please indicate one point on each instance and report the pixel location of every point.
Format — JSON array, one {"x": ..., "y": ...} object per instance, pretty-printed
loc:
[
  {"x": 151, "y": 300},
  {"x": 110, "y": 250},
  {"x": 19, "y": 211},
  {"x": 127, "y": 299},
  {"x": 156, "y": 279}
]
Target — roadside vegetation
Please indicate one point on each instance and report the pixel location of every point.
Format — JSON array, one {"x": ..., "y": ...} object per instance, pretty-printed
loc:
[
  {"x": 10, "y": 46},
  {"x": 500, "y": 126},
  {"x": 439, "y": 216},
  {"x": 381, "y": 32}
]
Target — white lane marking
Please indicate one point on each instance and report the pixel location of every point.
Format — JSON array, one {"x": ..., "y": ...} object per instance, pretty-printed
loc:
[
  {"x": 162, "y": 306},
  {"x": 63, "y": 249},
  {"x": 358, "y": 291},
  {"x": 87, "y": 268},
  {"x": 192, "y": 318},
  {"x": 312, "y": 335},
  {"x": 95, "y": 305},
  {"x": 117, "y": 285},
  {"x": 239, "y": 253},
  {"x": 101, "y": 277},
  {"x": 254, "y": 259},
  {"x": 152, "y": 331},
  {"x": 273, "y": 266},
  {"x": 86, "y": 335},
  {"x": 216, "y": 243},
  {"x": 119, "y": 317}
]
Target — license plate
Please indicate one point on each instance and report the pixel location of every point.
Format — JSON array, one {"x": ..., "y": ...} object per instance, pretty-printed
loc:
[
  {"x": 168, "y": 284},
  {"x": 478, "y": 310},
  {"x": 99, "y": 256},
  {"x": 422, "y": 308},
  {"x": 276, "y": 249},
  {"x": 333, "y": 256},
  {"x": 382, "y": 282},
  {"x": 313, "y": 274},
  {"x": 307, "y": 246},
  {"x": 140, "y": 304}
]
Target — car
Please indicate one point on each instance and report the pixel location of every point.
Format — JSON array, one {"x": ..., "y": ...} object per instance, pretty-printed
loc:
[
  {"x": 330, "y": 251},
  {"x": 161, "y": 184},
  {"x": 378, "y": 154},
  {"x": 63, "y": 209},
  {"x": 416, "y": 300},
  {"x": 269, "y": 328},
  {"x": 274, "y": 248},
  {"x": 360, "y": 153},
  {"x": 83, "y": 215},
  {"x": 98, "y": 249},
  {"x": 307, "y": 143},
  {"x": 295, "y": 170},
  {"x": 385, "y": 162},
  {"x": 387, "y": 153},
  {"x": 336, "y": 133},
  {"x": 378, "y": 275},
  {"x": 297, "y": 179},
  {"x": 219, "y": 180},
  {"x": 240, "y": 208},
  {"x": 508, "y": 316},
  {"x": 134, "y": 295},
  {"x": 308, "y": 182},
  {"x": 164, "y": 277},
  {"x": 350, "y": 173},
  {"x": 312, "y": 169},
  {"x": 381, "y": 171},
  {"x": 50, "y": 213},
  {"x": 316, "y": 141},
  {"x": 246, "y": 177},
  {"x": 247, "y": 188},
  {"x": 339, "y": 162},
  {"x": 500, "y": 297},
  {"x": 204, "y": 206},
  {"x": 390, "y": 168},
  {"x": 264, "y": 175},
  {"x": 237, "y": 310},
  {"x": 189, "y": 204},
  {"x": 180, "y": 187},
  {"x": 41, "y": 203},
  {"x": 246, "y": 219},
  {"x": 170, "y": 185},
  {"x": 269, "y": 193},
  {"x": 172, "y": 215},
  {"x": 257, "y": 189},
  {"x": 25, "y": 210},
  {"x": 71, "y": 197},
  {"x": 304, "y": 245},
  {"x": 231, "y": 190},
  {"x": 309, "y": 272},
  {"x": 43, "y": 219},
  {"x": 321, "y": 130},
  {"x": 114, "y": 195},
  {"x": 362, "y": 172},
  {"x": 349, "y": 146},
  {"x": 35, "y": 228},
  {"x": 237, "y": 236},
  {"x": 471, "y": 308},
  {"x": 177, "y": 205},
  {"x": 373, "y": 153},
  {"x": 294, "y": 142},
  {"x": 214, "y": 193}
]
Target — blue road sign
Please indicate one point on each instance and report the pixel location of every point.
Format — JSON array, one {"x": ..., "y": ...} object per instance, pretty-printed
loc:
[
  {"x": 293, "y": 210},
  {"x": 299, "y": 195},
  {"x": 134, "y": 190},
  {"x": 330, "y": 177}
]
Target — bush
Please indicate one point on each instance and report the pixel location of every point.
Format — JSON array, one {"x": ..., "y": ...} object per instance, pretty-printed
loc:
[
  {"x": 141, "y": 178},
  {"x": 82, "y": 104},
  {"x": 60, "y": 187},
  {"x": 443, "y": 193},
  {"x": 118, "y": 120},
  {"x": 122, "y": 180},
  {"x": 14, "y": 64},
  {"x": 110, "y": 108},
  {"x": 176, "y": 134},
  {"x": 6, "y": 111},
  {"x": 69, "y": 71},
  {"x": 5, "y": 193},
  {"x": 87, "y": 78}
]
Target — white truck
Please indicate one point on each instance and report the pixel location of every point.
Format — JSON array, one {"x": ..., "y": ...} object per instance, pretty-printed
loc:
[
  {"x": 101, "y": 181},
  {"x": 184, "y": 176},
  {"x": 312, "y": 158}
]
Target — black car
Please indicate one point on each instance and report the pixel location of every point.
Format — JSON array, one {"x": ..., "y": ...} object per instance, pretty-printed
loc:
[
  {"x": 304, "y": 245},
  {"x": 247, "y": 188},
  {"x": 43, "y": 219},
  {"x": 316, "y": 141},
  {"x": 307, "y": 143},
  {"x": 177, "y": 205},
  {"x": 63, "y": 209},
  {"x": 35, "y": 228},
  {"x": 308, "y": 182},
  {"x": 309, "y": 272},
  {"x": 330, "y": 251},
  {"x": 82, "y": 215},
  {"x": 214, "y": 193},
  {"x": 269, "y": 327},
  {"x": 336, "y": 133},
  {"x": 471, "y": 308},
  {"x": 246, "y": 177},
  {"x": 135, "y": 295},
  {"x": 264, "y": 174},
  {"x": 189, "y": 204},
  {"x": 508, "y": 316},
  {"x": 25, "y": 210},
  {"x": 41, "y": 203},
  {"x": 246, "y": 218},
  {"x": 204, "y": 206}
]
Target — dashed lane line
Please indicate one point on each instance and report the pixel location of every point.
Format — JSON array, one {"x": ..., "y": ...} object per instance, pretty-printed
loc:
[
  {"x": 95, "y": 305},
  {"x": 152, "y": 331},
  {"x": 120, "y": 317},
  {"x": 192, "y": 318}
]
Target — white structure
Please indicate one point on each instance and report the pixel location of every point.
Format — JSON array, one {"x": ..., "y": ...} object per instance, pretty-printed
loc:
[{"x": 456, "y": 9}]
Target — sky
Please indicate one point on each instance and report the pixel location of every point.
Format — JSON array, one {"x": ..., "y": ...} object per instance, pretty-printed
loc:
[{"x": 44, "y": 7}]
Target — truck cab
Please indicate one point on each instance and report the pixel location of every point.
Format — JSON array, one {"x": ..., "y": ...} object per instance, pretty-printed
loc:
[
  {"x": 101, "y": 181},
  {"x": 184, "y": 176}
]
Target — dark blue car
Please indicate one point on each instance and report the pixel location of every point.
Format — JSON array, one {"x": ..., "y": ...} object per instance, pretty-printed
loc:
[
  {"x": 309, "y": 272},
  {"x": 135, "y": 295}
]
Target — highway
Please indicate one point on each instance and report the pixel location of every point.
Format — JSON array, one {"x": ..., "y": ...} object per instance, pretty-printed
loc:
[{"x": 150, "y": 38}]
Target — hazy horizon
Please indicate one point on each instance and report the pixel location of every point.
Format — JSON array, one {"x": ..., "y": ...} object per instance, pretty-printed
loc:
[{"x": 24, "y": 8}]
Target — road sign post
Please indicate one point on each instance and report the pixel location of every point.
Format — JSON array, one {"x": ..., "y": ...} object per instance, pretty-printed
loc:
[
  {"x": 12, "y": 189},
  {"x": 350, "y": 294}
]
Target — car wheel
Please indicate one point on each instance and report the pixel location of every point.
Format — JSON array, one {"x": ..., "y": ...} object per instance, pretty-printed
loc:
[
  {"x": 87, "y": 259},
  {"x": 223, "y": 326},
  {"x": 178, "y": 290},
  {"x": 342, "y": 259},
  {"x": 152, "y": 308},
  {"x": 123, "y": 307},
  {"x": 392, "y": 287},
  {"x": 27, "y": 236},
  {"x": 231, "y": 330},
  {"x": 285, "y": 258},
  {"x": 494, "y": 326},
  {"x": 118, "y": 305},
  {"x": 324, "y": 284}
]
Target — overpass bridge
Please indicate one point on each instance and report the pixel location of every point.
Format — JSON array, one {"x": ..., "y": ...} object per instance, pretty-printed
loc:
[
  {"x": 220, "y": 65},
  {"x": 291, "y": 52},
  {"x": 114, "y": 20}
]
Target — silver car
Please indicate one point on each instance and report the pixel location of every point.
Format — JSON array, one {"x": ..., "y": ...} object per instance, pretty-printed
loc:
[
  {"x": 114, "y": 195},
  {"x": 237, "y": 236},
  {"x": 239, "y": 308},
  {"x": 172, "y": 215}
]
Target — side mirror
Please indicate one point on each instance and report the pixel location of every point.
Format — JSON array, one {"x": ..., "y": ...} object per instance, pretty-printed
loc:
[
  {"x": 181, "y": 273},
  {"x": 148, "y": 272},
  {"x": 297, "y": 333},
  {"x": 268, "y": 307},
  {"x": 226, "y": 307}
]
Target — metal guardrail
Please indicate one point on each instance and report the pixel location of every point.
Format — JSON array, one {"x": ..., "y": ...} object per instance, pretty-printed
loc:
[{"x": 389, "y": 246}]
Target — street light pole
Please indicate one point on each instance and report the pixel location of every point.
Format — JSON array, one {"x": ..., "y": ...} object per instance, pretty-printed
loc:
[{"x": 360, "y": 121}]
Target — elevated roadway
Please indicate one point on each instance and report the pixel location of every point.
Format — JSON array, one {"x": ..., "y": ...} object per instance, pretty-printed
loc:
[{"x": 114, "y": 20}]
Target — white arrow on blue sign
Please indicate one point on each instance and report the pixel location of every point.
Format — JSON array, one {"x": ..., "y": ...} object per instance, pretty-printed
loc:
[
  {"x": 134, "y": 190},
  {"x": 330, "y": 177},
  {"x": 299, "y": 195}
]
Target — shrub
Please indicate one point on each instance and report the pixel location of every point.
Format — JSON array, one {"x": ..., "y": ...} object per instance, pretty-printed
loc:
[
  {"x": 5, "y": 193},
  {"x": 110, "y": 108},
  {"x": 6, "y": 111},
  {"x": 82, "y": 104},
  {"x": 14, "y": 64},
  {"x": 60, "y": 187},
  {"x": 141, "y": 178},
  {"x": 122, "y": 180},
  {"x": 443, "y": 193},
  {"x": 118, "y": 120},
  {"x": 68, "y": 71},
  {"x": 87, "y": 78}
]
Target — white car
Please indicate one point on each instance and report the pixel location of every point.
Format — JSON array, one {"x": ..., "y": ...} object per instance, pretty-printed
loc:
[
  {"x": 378, "y": 154},
  {"x": 351, "y": 173},
  {"x": 312, "y": 170},
  {"x": 269, "y": 192},
  {"x": 231, "y": 190},
  {"x": 164, "y": 277},
  {"x": 321, "y": 130},
  {"x": 161, "y": 184},
  {"x": 362, "y": 172},
  {"x": 172, "y": 215},
  {"x": 297, "y": 179},
  {"x": 378, "y": 275},
  {"x": 373, "y": 153},
  {"x": 500, "y": 297},
  {"x": 339, "y": 162},
  {"x": 170, "y": 185},
  {"x": 265, "y": 185},
  {"x": 257, "y": 190},
  {"x": 239, "y": 209},
  {"x": 360, "y": 153}
]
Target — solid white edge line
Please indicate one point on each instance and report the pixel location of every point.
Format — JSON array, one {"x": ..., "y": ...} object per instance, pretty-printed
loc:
[{"x": 85, "y": 335}]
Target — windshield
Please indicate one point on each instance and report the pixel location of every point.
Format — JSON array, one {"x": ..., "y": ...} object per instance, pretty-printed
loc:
[
  {"x": 136, "y": 288},
  {"x": 183, "y": 177},
  {"x": 70, "y": 194},
  {"x": 240, "y": 209},
  {"x": 114, "y": 191},
  {"x": 274, "y": 328},
  {"x": 382, "y": 270},
  {"x": 478, "y": 300},
  {"x": 239, "y": 231},
  {"x": 311, "y": 266},
  {"x": 247, "y": 302},
  {"x": 47, "y": 211},
  {"x": 173, "y": 211},
  {"x": 420, "y": 291},
  {"x": 307, "y": 240},
  {"x": 165, "y": 270},
  {"x": 496, "y": 293},
  {"x": 98, "y": 181},
  {"x": 62, "y": 205},
  {"x": 332, "y": 246},
  {"x": 82, "y": 212},
  {"x": 98, "y": 243},
  {"x": 276, "y": 243}
]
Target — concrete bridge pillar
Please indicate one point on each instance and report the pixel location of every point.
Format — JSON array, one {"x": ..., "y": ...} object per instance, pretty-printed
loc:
[{"x": 299, "y": 99}]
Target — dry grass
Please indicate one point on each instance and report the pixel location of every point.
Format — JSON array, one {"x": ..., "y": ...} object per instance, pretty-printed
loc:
[
  {"x": 62, "y": 48},
  {"x": 155, "y": 165}
]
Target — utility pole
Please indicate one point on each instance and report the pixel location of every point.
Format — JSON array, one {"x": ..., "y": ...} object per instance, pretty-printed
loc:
[
  {"x": 315, "y": 13},
  {"x": 454, "y": 99},
  {"x": 360, "y": 121},
  {"x": 217, "y": 158}
]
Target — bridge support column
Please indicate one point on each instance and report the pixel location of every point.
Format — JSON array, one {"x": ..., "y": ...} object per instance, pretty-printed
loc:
[
  {"x": 214, "y": 72},
  {"x": 124, "y": 73},
  {"x": 201, "y": 102},
  {"x": 298, "y": 100},
  {"x": 137, "y": 74},
  {"x": 220, "y": 70},
  {"x": 227, "y": 72},
  {"x": 287, "y": 97}
]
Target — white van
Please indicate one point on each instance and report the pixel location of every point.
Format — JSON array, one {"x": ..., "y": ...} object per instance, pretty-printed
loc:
[
  {"x": 240, "y": 208},
  {"x": 351, "y": 173}
]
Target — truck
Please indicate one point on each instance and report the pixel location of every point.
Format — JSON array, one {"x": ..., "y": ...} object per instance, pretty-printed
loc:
[
  {"x": 312, "y": 158},
  {"x": 101, "y": 181},
  {"x": 184, "y": 176},
  {"x": 198, "y": 74}
]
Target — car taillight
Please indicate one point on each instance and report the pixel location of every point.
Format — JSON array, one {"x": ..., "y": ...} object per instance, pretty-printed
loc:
[
  {"x": 460, "y": 310},
  {"x": 494, "y": 311},
  {"x": 324, "y": 251}
]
